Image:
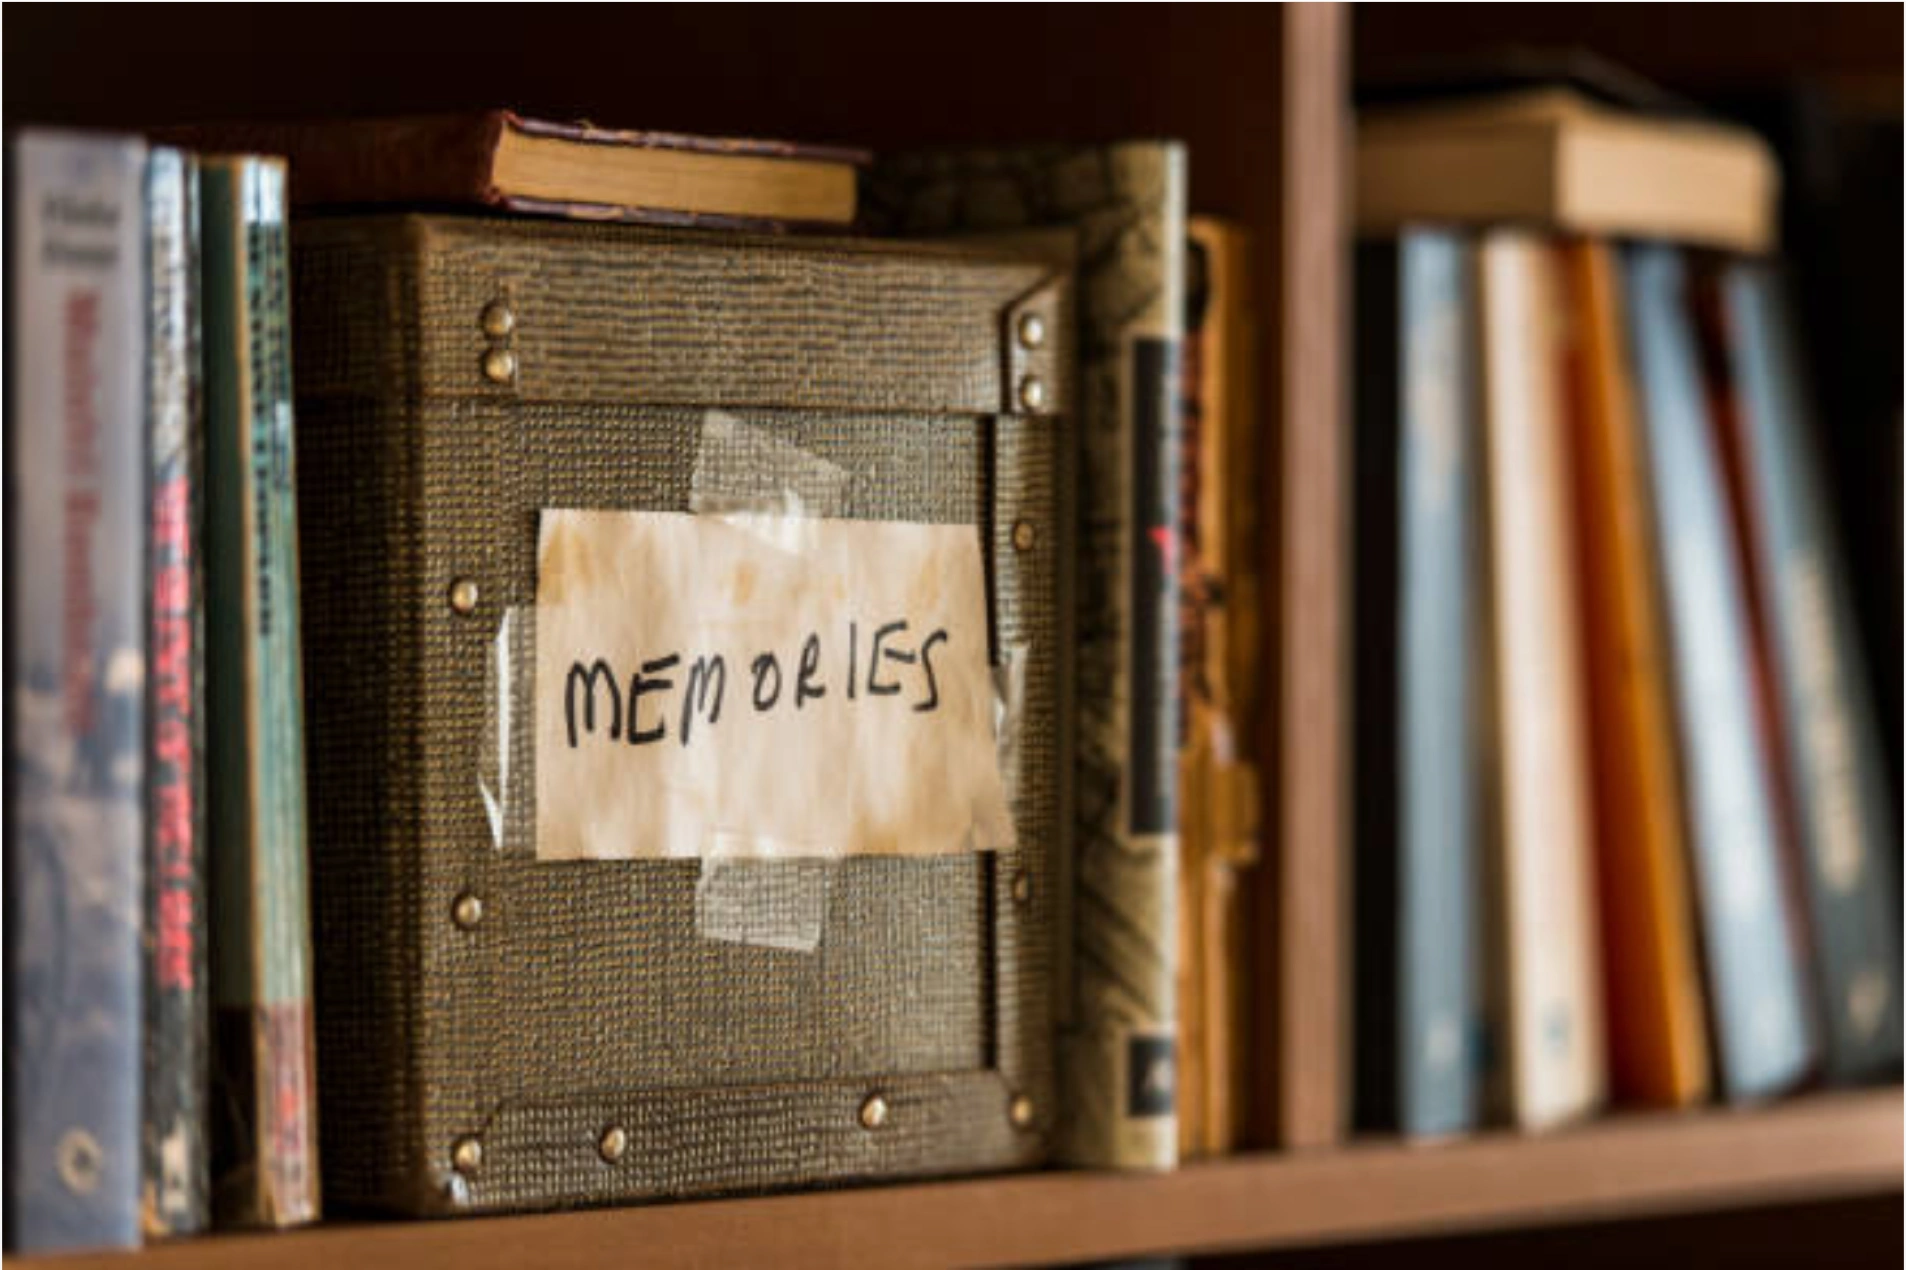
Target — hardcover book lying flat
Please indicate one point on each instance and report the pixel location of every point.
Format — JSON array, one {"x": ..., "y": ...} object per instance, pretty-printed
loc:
[
  {"x": 497, "y": 158},
  {"x": 687, "y": 646}
]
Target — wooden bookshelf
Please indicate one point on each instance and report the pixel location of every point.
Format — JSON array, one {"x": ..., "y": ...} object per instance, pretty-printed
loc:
[
  {"x": 1261, "y": 96},
  {"x": 1824, "y": 1146}
]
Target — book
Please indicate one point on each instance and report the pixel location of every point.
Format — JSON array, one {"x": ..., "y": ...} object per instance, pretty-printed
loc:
[
  {"x": 1419, "y": 815},
  {"x": 175, "y": 1195},
  {"x": 1219, "y": 648},
  {"x": 1553, "y": 157},
  {"x": 76, "y": 685},
  {"x": 1544, "y": 971},
  {"x": 1117, "y": 1014},
  {"x": 1657, "y": 1032},
  {"x": 500, "y": 159},
  {"x": 1761, "y": 1036},
  {"x": 264, "y": 1101},
  {"x": 1802, "y": 614}
]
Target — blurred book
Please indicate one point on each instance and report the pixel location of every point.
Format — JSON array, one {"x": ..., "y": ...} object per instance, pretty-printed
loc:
[
  {"x": 76, "y": 689},
  {"x": 1657, "y": 1033},
  {"x": 1839, "y": 816},
  {"x": 176, "y": 1163},
  {"x": 1218, "y": 818},
  {"x": 265, "y": 1098},
  {"x": 1551, "y": 157},
  {"x": 497, "y": 158},
  {"x": 1762, "y": 1035},
  {"x": 1419, "y": 816},
  {"x": 1546, "y": 998}
]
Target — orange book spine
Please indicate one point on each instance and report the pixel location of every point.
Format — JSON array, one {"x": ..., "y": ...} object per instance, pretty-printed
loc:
[{"x": 1656, "y": 1032}]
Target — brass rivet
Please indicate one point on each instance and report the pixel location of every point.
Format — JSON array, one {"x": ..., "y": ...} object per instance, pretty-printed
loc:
[
  {"x": 467, "y": 1156},
  {"x": 1020, "y": 1111},
  {"x": 467, "y": 911},
  {"x": 81, "y": 1162},
  {"x": 1032, "y": 330},
  {"x": 497, "y": 319},
  {"x": 1024, "y": 535},
  {"x": 613, "y": 1144},
  {"x": 1032, "y": 392},
  {"x": 464, "y": 595},
  {"x": 1022, "y": 887},
  {"x": 873, "y": 1112},
  {"x": 499, "y": 366}
]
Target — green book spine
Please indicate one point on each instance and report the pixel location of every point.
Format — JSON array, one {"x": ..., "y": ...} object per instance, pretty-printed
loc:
[{"x": 265, "y": 1103}]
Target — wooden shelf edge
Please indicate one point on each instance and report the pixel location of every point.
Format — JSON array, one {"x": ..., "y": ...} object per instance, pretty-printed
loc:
[{"x": 1818, "y": 1147}]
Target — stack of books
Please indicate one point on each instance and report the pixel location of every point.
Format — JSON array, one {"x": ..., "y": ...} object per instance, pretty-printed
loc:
[{"x": 1623, "y": 832}]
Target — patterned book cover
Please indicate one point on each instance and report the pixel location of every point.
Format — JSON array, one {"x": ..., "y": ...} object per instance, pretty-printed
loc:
[
  {"x": 76, "y": 683},
  {"x": 1762, "y": 1035},
  {"x": 264, "y": 1101},
  {"x": 1127, "y": 203},
  {"x": 1218, "y": 799},
  {"x": 175, "y": 1193},
  {"x": 1419, "y": 829},
  {"x": 1658, "y": 1050},
  {"x": 1848, "y": 841},
  {"x": 1551, "y": 1063}
]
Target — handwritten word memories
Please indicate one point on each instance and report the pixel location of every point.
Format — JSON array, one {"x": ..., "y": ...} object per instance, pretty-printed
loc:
[{"x": 747, "y": 686}]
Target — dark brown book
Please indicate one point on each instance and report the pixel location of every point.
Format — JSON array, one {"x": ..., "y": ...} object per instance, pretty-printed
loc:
[{"x": 496, "y": 158}]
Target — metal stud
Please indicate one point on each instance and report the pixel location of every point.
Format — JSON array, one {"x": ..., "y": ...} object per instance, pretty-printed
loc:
[
  {"x": 613, "y": 1144},
  {"x": 467, "y": 1156},
  {"x": 873, "y": 1112},
  {"x": 1032, "y": 330},
  {"x": 497, "y": 319},
  {"x": 1020, "y": 1111},
  {"x": 1032, "y": 392},
  {"x": 1022, "y": 887},
  {"x": 464, "y": 596},
  {"x": 1025, "y": 535},
  {"x": 499, "y": 366},
  {"x": 467, "y": 911}
]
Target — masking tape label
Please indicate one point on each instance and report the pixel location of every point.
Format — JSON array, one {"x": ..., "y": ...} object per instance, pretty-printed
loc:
[{"x": 767, "y": 687}]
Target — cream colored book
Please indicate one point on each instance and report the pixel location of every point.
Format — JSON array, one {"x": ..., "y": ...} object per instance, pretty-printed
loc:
[
  {"x": 1553, "y": 159},
  {"x": 1550, "y": 1058}
]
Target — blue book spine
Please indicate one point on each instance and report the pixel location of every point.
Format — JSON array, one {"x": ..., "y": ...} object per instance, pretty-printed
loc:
[
  {"x": 1763, "y": 1033},
  {"x": 1418, "y": 869},
  {"x": 1849, "y": 841},
  {"x": 75, "y": 704},
  {"x": 1438, "y": 832}
]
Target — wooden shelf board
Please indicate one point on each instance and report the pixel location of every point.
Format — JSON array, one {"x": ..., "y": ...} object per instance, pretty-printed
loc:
[{"x": 1818, "y": 1147}]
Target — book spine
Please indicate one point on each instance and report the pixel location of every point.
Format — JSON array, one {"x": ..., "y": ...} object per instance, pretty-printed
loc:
[
  {"x": 175, "y": 1191},
  {"x": 1126, "y": 937},
  {"x": 75, "y": 701},
  {"x": 1418, "y": 888},
  {"x": 1439, "y": 953},
  {"x": 1847, "y": 838},
  {"x": 267, "y": 1170},
  {"x": 1657, "y": 1034},
  {"x": 1760, "y": 1022},
  {"x": 1550, "y": 1000}
]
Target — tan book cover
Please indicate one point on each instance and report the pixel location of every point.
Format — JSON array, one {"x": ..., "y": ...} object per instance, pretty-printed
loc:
[
  {"x": 1547, "y": 995},
  {"x": 1553, "y": 158}
]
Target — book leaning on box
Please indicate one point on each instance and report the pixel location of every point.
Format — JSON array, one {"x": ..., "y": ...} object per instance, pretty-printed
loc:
[
  {"x": 264, "y": 1095},
  {"x": 76, "y": 691},
  {"x": 1842, "y": 819},
  {"x": 1127, "y": 203}
]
